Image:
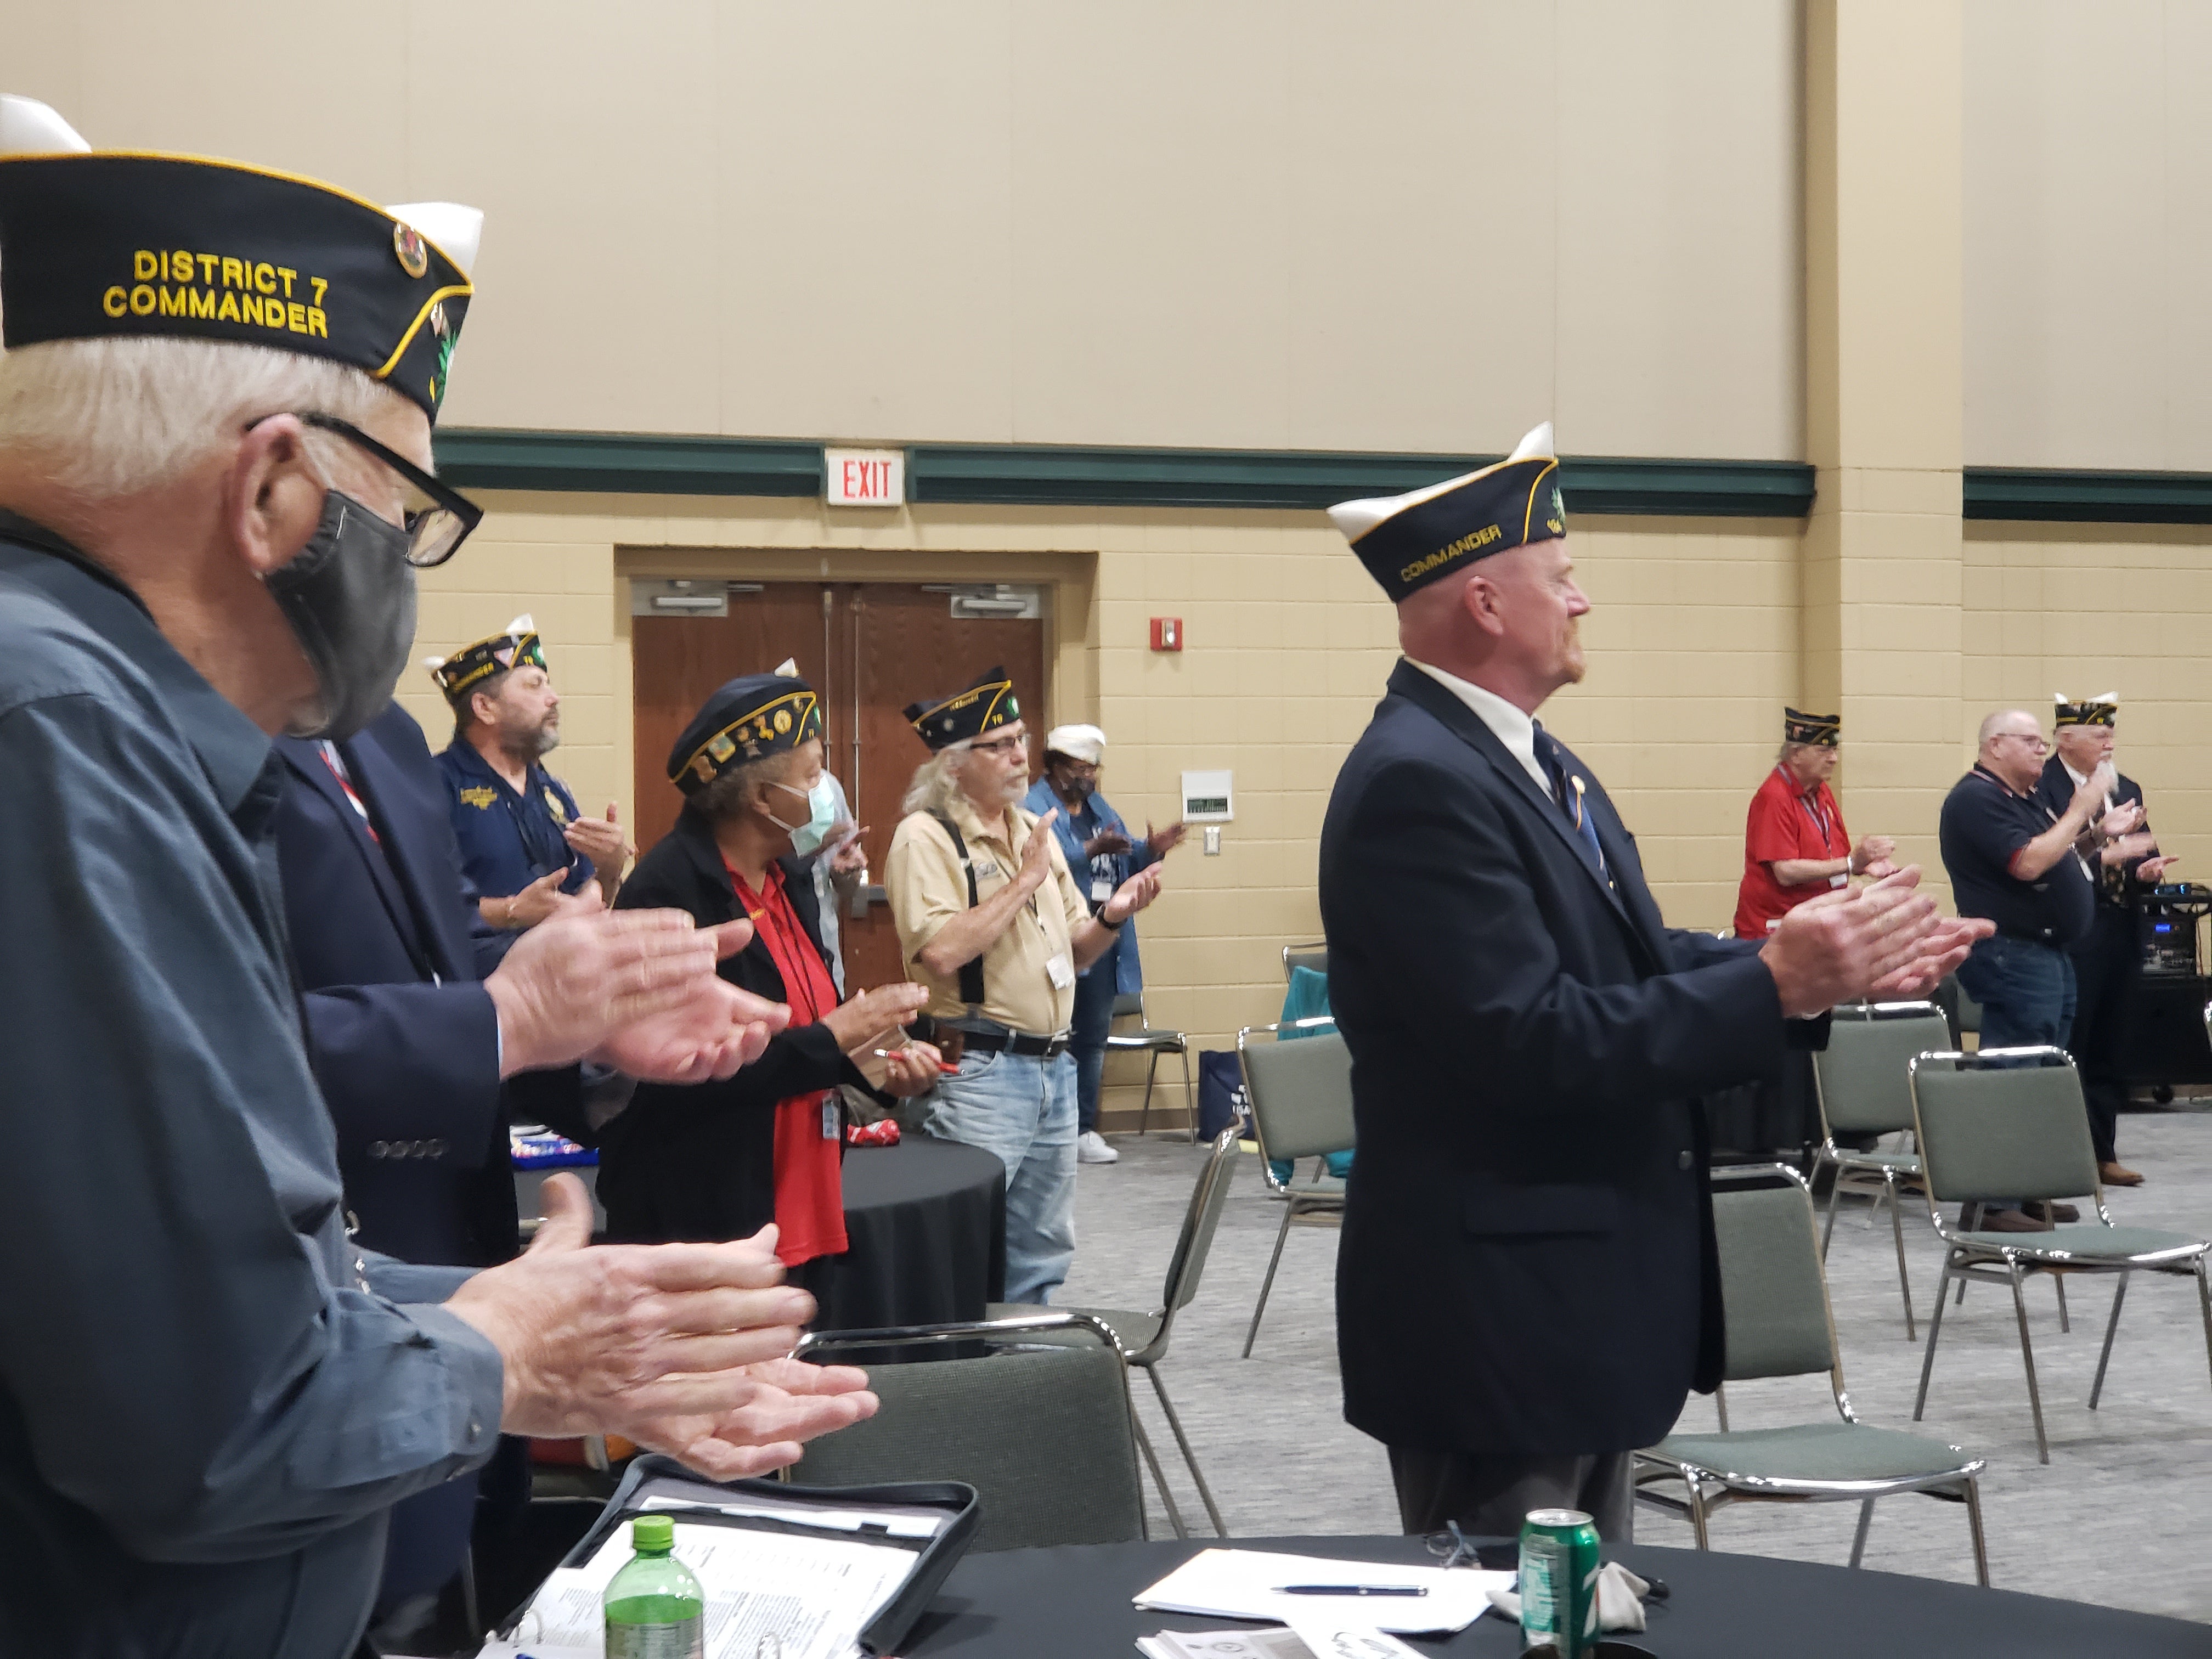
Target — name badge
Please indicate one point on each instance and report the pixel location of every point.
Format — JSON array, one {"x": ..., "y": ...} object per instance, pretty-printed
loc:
[
  {"x": 1101, "y": 890},
  {"x": 829, "y": 1115},
  {"x": 1061, "y": 971}
]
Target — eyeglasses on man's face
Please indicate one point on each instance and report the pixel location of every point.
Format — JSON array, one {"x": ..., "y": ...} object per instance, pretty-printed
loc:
[
  {"x": 1000, "y": 747},
  {"x": 437, "y": 518}
]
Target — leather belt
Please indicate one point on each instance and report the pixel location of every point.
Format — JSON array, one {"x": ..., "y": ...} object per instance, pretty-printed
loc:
[{"x": 991, "y": 1042}]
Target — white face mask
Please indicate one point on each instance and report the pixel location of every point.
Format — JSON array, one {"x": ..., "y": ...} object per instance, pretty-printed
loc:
[{"x": 808, "y": 836}]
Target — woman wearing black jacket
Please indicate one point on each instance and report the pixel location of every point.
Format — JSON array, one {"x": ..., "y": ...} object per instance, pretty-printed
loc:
[{"x": 722, "y": 1160}]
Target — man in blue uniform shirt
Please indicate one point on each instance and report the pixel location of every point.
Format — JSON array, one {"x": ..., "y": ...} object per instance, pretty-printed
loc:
[
  {"x": 523, "y": 842},
  {"x": 210, "y": 1396},
  {"x": 1104, "y": 854},
  {"x": 1527, "y": 1286}
]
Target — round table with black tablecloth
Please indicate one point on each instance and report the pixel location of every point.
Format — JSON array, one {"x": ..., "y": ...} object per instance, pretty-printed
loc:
[
  {"x": 1074, "y": 1604},
  {"x": 925, "y": 1226}
]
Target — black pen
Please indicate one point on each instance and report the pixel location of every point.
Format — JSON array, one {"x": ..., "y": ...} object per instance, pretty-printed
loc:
[{"x": 1350, "y": 1589}]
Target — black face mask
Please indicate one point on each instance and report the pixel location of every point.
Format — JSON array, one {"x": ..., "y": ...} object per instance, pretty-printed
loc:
[{"x": 349, "y": 597}]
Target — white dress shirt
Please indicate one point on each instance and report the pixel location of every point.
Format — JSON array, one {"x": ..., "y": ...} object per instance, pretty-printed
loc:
[{"x": 1511, "y": 727}]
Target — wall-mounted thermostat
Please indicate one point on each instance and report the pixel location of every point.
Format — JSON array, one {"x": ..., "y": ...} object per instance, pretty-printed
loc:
[{"x": 1208, "y": 798}]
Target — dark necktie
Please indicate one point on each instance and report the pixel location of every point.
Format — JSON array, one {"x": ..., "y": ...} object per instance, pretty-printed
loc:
[{"x": 1567, "y": 792}]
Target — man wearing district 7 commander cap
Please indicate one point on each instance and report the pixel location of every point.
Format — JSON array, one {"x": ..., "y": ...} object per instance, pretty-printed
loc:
[
  {"x": 216, "y": 387},
  {"x": 1527, "y": 1287}
]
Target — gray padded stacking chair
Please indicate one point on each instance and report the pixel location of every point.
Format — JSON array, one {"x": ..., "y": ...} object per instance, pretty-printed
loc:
[
  {"x": 1301, "y": 1094},
  {"x": 1144, "y": 1336},
  {"x": 1152, "y": 1041},
  {"x": 2009, "y": 1123},
  {"x": 1774, "y": 1297},
  {"x": 1862, "y": 1087},
  {"x": 1314, "y": 955},
  {"x": 1041, "y": 1429}
]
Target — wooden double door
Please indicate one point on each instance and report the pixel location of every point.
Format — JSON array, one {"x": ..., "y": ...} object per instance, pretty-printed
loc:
[{"x": 870, "y": 648}]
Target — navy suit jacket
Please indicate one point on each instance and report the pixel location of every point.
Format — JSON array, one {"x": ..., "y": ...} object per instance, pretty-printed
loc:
[
  {"x": 404, "y": 1041},
  {"x": 1528, "y": 1266}
]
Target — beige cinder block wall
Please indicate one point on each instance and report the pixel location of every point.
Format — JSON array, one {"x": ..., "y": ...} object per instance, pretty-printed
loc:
[
  {"x": 1251, "y": 224},
  {"x": 2085, "y": 609}
]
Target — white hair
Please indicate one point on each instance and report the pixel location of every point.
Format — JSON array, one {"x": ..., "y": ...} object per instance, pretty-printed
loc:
[
  {"x": 935, "y": 785},
  {"x": 109, "y": 418}
]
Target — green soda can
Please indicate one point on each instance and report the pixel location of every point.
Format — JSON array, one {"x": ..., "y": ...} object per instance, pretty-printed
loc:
[{"x": 1559, "y": 1564}]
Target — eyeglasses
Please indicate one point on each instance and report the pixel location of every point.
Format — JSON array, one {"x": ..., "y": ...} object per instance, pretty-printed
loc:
[
  {"x": 438, "y": 518},
  {"x": 2036, "y": 739},
  {"x": 1001, "y": 747}
]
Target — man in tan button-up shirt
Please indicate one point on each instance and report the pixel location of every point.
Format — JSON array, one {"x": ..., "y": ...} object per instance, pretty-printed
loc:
[{"x": 990, "y": 920}]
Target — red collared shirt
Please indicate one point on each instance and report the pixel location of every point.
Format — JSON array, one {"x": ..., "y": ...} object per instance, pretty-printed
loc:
[
  {"x": 1785, "y": 822},
  {"x": 809, "y": 1192}
]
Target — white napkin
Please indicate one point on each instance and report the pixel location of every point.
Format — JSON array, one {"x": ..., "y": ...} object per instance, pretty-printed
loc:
[{"x": 1619, "y": 1599}]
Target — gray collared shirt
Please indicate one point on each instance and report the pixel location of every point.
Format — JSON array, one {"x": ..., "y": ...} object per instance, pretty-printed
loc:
[{"x": 208, "y": 1398}]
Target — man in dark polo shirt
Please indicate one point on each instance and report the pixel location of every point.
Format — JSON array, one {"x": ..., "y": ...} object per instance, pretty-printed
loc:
[{"x": 2011, "y": 858}]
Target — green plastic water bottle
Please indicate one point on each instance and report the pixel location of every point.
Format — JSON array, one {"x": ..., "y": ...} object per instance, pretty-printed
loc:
[{"x": 655, "y": 1608}]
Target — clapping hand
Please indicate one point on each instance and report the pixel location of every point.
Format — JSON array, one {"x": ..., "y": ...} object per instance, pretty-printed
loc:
[
  {"x": 1884, "y": 939},
  {"x": 601, "y": 840},
  {"x": 793, "y": 1402},
  {"x": 851, "y": 857},
  {"x": 682, "y": 1347},
  {"x": 634, "y": 988}
]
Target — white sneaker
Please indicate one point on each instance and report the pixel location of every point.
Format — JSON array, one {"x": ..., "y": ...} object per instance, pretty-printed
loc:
[{"x": 1091, "y": 1147}]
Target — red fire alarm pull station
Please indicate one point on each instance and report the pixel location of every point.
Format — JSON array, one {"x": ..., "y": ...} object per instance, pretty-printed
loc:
[{"x": 1167, "y": 633}]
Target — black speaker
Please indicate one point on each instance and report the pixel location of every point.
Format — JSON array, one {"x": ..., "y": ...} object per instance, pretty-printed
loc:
[{"x": 2166, "y": 1042}]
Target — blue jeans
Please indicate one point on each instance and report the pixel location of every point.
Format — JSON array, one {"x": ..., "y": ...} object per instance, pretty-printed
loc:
[
  {"x": 2027, "y": 994},
  {"x": 1020, "y": 1108},
  {"x": 2025, "y": 990},
  {"x": 1086, "y": 1037}
]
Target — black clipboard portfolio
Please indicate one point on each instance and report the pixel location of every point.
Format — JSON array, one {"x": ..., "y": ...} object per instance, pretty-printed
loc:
[{"x": 652, "y": 1476}]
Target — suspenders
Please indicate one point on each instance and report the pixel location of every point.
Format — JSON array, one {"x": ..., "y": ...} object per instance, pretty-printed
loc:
[{"x": 972, "y": 972}]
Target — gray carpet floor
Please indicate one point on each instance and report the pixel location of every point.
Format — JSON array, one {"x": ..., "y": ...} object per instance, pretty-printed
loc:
[{"x": 2117, "y": 1518}]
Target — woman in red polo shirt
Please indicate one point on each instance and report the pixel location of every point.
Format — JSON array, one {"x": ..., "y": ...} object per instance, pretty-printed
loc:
[
  {"x": 1795, "y": 845},
  {"x": 721, "y": 1160}
]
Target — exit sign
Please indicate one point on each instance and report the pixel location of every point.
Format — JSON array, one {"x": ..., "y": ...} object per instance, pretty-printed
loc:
[{"x": 866, "y": 477}]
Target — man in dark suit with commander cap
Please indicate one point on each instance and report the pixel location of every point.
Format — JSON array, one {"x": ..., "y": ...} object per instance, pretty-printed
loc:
[
  {"x": 216, "y": 387},
  {"x": 2121, "y": 858},
  {"x": 1527, "y": 1286}
]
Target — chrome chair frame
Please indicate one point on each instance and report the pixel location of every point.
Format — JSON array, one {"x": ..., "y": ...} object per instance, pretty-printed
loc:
[
  {"x": 1193, "y": 1243},
  {"x": 1001, "y": 1330},
  {"x": 1708, "y": 1490},
  {"x": 1301, "y": 956},
  {"x": 1877, "y": 1173},
  {"x": 1153, "y": 1041},
  {"x": 2008, "y": 1263},
  {"x": 1323, "y": 1199}
]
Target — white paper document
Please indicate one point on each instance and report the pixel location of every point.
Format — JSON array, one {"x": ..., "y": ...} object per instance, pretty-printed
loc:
[
  {"x": 814, "y": 1594},
  {"x": 1223, "y": 1644},
  {"x": 1247, "y": 1584},
  {"x": 1318, "y": 1638},
  {"x": 893, "y": 1520}
]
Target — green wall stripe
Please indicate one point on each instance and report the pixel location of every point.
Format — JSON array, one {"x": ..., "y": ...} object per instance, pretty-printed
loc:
[
  {"x": 626, "y": 463},
  {"x": 2063, "y": 496},
  {"x": 1045, "y": 475},
  {"x": 1039, "y": 474}
]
